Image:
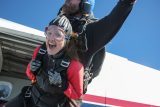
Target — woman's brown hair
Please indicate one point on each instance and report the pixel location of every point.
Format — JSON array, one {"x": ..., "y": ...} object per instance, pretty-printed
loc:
[{"x": 72, "y": 49}]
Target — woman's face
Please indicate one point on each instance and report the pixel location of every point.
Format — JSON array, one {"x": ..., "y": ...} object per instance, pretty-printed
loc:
[
  {"x": 71, "y": 6},
  {"x": 55, "y": 39}
]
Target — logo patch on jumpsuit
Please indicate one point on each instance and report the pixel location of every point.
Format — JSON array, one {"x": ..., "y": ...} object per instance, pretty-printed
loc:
[{"x": 55, "y": 78}]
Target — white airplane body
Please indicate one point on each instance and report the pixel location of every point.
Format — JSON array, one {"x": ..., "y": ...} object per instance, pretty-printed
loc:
[{"x": 121, "y": 83}]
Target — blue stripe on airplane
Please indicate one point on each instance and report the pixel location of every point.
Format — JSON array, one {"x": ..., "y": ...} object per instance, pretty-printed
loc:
[{"x": 92, "y": 105}]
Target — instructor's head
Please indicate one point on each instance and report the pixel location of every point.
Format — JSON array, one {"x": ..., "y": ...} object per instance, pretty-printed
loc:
[{"x": 78, "y": 6}]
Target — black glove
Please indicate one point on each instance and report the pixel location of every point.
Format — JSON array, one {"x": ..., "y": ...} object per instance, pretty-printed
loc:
[{"x": 35, "y": 66}]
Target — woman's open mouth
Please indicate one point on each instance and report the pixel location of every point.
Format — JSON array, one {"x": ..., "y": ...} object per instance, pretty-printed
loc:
[{"x": 51, "y": 45}]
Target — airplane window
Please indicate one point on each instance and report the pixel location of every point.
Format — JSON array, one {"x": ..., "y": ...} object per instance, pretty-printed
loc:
[{"x": 5, "y": 90}]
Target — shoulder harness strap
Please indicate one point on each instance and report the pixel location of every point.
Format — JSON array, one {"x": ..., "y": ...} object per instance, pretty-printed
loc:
[
  {"x": 62, "y": 64},
  {"x": 42, "y": 51}
]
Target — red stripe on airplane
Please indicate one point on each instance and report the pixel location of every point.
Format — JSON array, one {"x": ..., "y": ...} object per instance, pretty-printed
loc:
[{"x": 115, "y": 102}]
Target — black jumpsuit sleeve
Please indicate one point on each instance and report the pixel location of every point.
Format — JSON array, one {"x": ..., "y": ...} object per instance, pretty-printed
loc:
[{"x": 101, "y": 32}]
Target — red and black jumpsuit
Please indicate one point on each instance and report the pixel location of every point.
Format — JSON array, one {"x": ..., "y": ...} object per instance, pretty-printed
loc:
[
  {"x": 74, "y": 81},
  {"x": 46, "y": 94}
]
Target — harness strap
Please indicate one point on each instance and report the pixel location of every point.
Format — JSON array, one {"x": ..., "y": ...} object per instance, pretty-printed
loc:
[
  {"x": 87, "y": 77},
  {"x": 26, "y": 93},
  {"x": 42, "y": 51}
]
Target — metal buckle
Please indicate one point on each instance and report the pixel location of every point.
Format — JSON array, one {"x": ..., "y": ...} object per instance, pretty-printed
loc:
[
  {"x": 65, "y": 63},
  {"x": 28, "y": 93},
  {"x": 42, "y": 51}
]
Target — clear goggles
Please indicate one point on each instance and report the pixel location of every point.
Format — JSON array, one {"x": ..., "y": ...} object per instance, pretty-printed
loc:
[{"x": 57, "y": 34}]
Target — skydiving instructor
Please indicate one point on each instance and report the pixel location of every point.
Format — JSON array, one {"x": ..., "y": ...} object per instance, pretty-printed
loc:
[{"x": 95, "y": 34}]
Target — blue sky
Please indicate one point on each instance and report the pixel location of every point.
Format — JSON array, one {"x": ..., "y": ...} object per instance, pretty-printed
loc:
[{"x": 138, "y": 40}]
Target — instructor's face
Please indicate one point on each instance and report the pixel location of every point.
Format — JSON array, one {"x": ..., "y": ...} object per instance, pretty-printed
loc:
[{"x": 71, "y": 6}]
